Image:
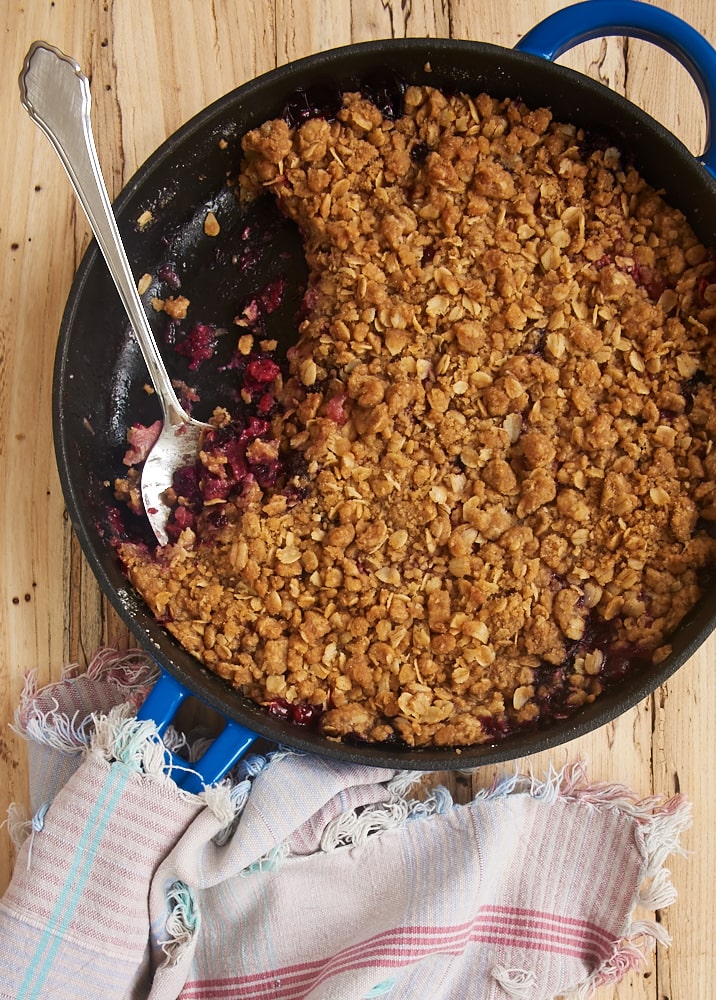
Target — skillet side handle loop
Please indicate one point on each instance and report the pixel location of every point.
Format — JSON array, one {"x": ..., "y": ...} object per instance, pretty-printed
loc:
[
  {"x": 231, "y": 744},
  {"x": 595, "y": 18},
  {"x": 163, "y": 701},
  {"x": 161, "y": 705}
]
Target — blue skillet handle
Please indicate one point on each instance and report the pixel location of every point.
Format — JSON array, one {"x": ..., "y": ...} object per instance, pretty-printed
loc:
[
  {"x": 160, "y": 707},
  {"x": 595, "y": 18}
]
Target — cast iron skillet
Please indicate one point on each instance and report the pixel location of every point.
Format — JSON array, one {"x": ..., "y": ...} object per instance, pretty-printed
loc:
[{"x": 100, "y": 378}]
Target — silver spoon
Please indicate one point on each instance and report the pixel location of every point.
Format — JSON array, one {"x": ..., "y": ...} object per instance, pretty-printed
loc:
[{"x": 55, "y": 93}]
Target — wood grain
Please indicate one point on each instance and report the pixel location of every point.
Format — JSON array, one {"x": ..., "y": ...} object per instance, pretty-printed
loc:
[{"x": 152, "y": 67}]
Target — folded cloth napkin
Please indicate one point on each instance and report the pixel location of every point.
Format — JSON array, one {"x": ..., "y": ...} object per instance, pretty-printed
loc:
[{"x": 300, "y": 878}]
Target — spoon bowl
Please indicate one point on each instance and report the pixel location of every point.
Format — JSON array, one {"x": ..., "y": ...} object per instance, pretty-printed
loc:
[{"x": 56, "y": 94}]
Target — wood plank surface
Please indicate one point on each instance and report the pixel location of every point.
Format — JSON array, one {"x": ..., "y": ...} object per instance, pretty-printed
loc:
[{"x": 152, "y": 66}]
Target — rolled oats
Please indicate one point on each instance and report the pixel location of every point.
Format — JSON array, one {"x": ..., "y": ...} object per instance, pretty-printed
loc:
[{"x": 503, "y": 397}]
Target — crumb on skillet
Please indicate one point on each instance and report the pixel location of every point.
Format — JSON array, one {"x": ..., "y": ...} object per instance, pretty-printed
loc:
[{"x": 485, "y": 484}]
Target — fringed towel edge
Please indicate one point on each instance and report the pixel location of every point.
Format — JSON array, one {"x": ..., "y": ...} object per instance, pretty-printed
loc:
[
  {"x": 659, "y": 824},
  {"x": 354, "y": 827},
  {"x": 18, "y": 823},
  {"x": 119, "y": 737},
  {"x": 659, "y": 831},
  {"x": 131, "y": 672},
  {"x": 182, "y": 925}
]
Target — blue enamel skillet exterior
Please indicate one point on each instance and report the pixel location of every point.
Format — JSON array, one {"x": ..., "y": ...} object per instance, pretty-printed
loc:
[{"x": 187, "y": 174}]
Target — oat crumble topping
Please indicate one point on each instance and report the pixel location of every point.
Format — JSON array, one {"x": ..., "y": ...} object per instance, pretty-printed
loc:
[{"x": 502, "y": 402}]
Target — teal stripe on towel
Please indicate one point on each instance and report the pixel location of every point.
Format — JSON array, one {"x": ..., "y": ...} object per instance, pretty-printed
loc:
[{"x": 40, "y": 966}]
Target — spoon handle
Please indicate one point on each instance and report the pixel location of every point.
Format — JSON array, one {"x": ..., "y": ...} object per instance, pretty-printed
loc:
[{"x": 56, "y": 94}]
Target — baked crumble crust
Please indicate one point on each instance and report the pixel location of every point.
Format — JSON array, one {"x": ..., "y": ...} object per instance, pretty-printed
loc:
[{"x": 503, "y": 395}]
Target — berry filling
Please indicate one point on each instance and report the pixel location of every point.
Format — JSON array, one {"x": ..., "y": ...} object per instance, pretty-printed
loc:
[
  {"x": 198, "y": 346},
  {"x": 299, "y": 713}
]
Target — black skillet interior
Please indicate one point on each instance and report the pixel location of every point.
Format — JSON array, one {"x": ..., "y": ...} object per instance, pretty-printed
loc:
[{"x": 100, "y": 379}]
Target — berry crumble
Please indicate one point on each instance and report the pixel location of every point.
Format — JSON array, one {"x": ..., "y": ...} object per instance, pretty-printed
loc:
[{"x": 481, "y": 487}]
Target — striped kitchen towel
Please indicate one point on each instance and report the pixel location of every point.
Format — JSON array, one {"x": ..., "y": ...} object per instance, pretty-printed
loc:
[{"x": 301, "y": 878}]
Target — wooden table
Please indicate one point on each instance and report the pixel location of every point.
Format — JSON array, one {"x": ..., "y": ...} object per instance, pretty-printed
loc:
[{"x": 152, "y": 66}]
